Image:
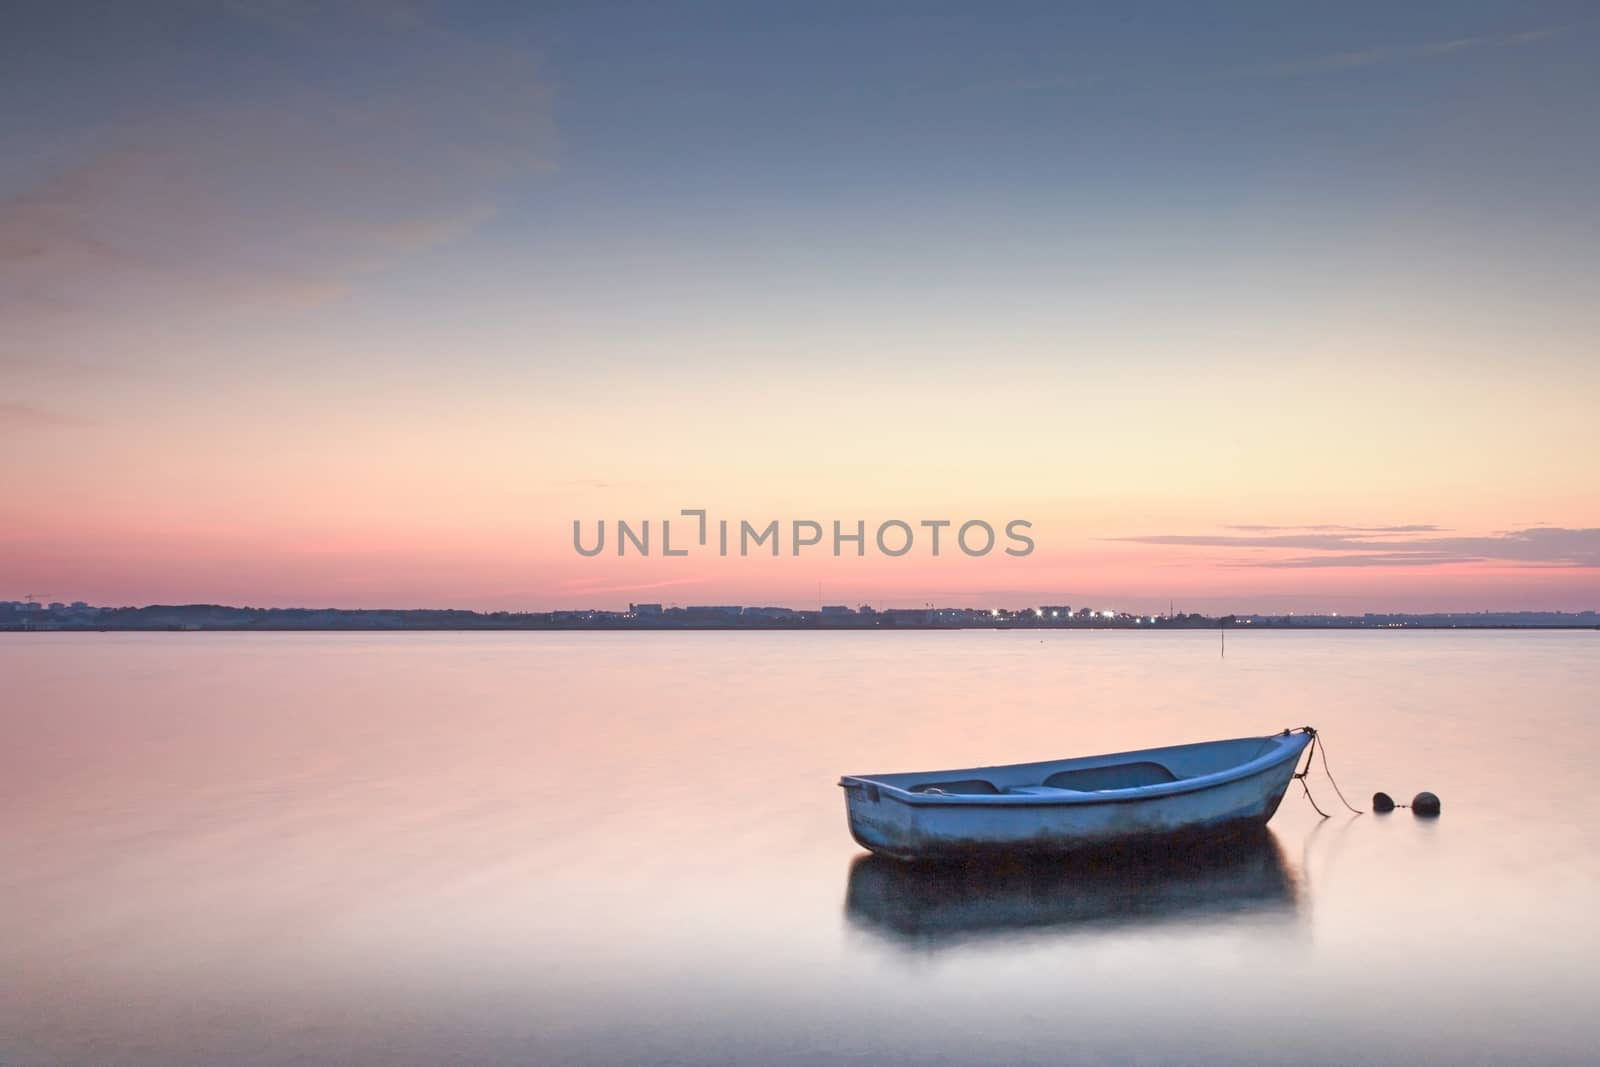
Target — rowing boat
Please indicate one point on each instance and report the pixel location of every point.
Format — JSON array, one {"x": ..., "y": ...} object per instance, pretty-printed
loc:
[{"x": 1071, "y": 804}]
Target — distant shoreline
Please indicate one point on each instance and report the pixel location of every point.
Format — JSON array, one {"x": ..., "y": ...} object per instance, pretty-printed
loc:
[
  {"x": 28, "y": 617},
  {"x": 737, "y": 628}
]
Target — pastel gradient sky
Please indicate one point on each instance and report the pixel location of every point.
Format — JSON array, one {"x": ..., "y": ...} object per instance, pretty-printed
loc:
[{"x": 1254, "y": 307}]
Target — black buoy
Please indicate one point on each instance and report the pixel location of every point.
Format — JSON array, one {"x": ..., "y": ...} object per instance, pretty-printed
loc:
[
  {"x": 1382, "y": 802},
  {"x": 1425, "y": 803}
]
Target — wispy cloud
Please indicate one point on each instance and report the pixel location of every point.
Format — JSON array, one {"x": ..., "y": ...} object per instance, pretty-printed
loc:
[
  {"x": 28, "y": 417},
  {"x": 1388, "y": 54},
  {"x": 308, "y": 16},
  {"x": 30, "y": 368},
  {"x": 379, "y": 136},
  {"x": 1538, "y": 546},
  {"x": 1414, "y": 528},
  {"x": 1375, "y": 559},
  {"x": 1069, "y": 82}
]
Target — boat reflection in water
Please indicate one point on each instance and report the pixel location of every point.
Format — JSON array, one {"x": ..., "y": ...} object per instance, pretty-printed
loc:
[{"x": 930, "y": 906}]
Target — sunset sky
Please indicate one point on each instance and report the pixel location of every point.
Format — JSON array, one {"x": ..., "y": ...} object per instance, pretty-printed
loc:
[{"x": 1250, "y": 307}]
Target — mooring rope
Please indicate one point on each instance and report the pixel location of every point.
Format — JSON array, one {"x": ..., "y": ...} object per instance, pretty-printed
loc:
[
  {"x": 1323, "y": 751},
  {"x": 1301, "y": 776}
]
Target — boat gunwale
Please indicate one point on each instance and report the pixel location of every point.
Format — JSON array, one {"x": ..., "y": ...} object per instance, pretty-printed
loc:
[{"x": 1293, "y": 744}]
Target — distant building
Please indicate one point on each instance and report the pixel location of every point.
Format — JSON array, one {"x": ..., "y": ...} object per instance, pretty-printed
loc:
[
  {"x": 835, "y": 610},
  {"x": 772, "y": 614},
  {"x": 644, "y": 609},
  {"x": 714, "y": 611},
  {"x": 907, "y": 616}
]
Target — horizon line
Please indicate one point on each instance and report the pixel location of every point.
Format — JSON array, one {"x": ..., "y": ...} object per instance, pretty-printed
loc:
[{"x": 636, "y": 609}]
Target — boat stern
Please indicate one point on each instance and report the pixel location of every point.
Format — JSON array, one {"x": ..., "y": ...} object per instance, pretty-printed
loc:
[{"x": 879, "y": 823}]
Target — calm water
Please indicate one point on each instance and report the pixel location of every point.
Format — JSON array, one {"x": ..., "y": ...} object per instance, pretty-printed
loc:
[{"x": 613, "y": 848}]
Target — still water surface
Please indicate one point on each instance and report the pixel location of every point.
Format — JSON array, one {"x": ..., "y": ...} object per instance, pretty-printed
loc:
[{"x": 629, "y": 848}]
